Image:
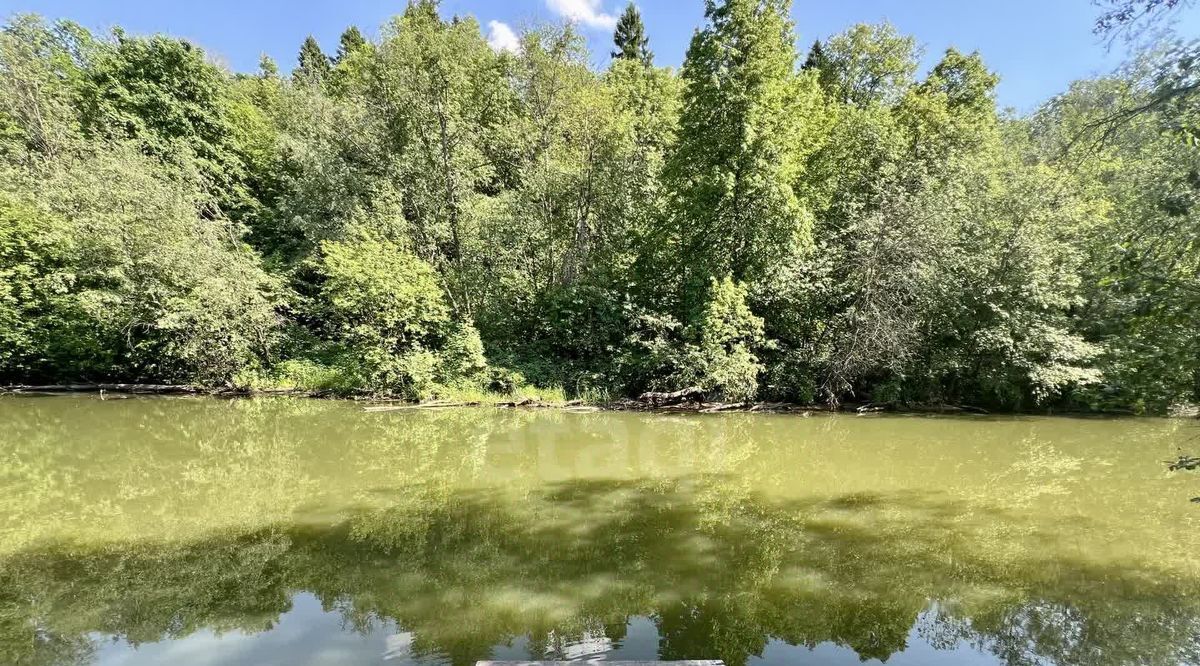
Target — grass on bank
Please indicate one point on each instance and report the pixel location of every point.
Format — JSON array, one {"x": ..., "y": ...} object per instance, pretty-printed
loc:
[{"x": 495, "y": 386}]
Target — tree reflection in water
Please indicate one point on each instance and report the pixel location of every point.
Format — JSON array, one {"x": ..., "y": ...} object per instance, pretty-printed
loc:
[{"x": 411, "y": 532}]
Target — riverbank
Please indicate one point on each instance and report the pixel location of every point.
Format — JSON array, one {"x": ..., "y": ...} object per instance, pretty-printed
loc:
[{"x": 687, "y": 401}]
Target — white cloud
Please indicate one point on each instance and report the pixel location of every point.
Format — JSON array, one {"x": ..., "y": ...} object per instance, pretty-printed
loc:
[
  {"x": 585, "y": 12},
  {"x": 502, "y": 38}
]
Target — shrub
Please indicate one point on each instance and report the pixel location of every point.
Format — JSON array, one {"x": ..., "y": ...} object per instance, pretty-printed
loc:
[
  {"x": 125, "y": 278},
  {"x": 384, "y": 305},
  {"x": 462, "y": 356},
  {"x": 719, "y": 355}
]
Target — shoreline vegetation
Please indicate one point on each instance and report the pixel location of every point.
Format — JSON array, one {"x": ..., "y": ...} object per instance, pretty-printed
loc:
[
  {"x": 691, "y": 400},
  {"x": 421, "y": 216}
]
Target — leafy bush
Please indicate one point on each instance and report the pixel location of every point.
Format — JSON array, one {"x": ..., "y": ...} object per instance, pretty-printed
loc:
[
  {"x": 133, "y": 283},
  {"x": 462, "y": 356},
  {"x": 29, "y": 283},
  {"x": 385, "y": 305},
  {"x": 504, "y": 380},
  {"x": 719, "y": 356}
]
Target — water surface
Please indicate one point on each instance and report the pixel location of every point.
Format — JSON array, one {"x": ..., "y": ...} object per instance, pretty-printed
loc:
[{"x": 302, "y": 532}]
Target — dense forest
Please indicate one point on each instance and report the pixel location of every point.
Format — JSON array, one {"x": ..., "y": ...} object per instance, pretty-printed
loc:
[{"x": 420, "y": 214}]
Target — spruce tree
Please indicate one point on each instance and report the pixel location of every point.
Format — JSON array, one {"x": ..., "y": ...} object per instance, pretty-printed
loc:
[
  {"x": 352, "y": 40},
  {"x": 630, "y": 37},
  {"x": 314, "y": 64},
  {"x": 816, "y": 57},
  {"x": 818, "y": 61}
]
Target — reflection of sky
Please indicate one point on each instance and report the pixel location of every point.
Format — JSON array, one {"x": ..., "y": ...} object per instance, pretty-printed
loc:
[
  {"x": 304, "y": 636},
  {"x": 308, "y": 636},
  {"x": 918, "y": 653}
]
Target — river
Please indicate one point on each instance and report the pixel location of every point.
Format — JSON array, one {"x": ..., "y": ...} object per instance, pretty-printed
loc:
[{"x": 306, "y": 532}]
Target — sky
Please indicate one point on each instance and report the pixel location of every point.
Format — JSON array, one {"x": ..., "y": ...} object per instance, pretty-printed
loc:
[{"x": 1037, "y": 46}]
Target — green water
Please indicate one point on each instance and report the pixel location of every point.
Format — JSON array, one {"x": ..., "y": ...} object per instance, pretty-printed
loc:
[{"x": 298, "y": 532}]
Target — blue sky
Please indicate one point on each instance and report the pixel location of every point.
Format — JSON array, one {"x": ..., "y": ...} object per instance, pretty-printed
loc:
[{"x": 1037, "y": 46}]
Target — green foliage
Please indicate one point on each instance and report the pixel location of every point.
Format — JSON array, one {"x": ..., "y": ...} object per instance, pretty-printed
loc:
[
  {"x": 385, "y": 305},
  {"x": 44, "y": 65},
  {"x": 867, "y": 64},
  {"x": 141, "y": 285},
  {"x": 351, "y": 42},
  {"x": 721, "y": 358},
  {"x": 1140, "y": 280},
  {"x": 734, "y": 208},
  {"x": 845, "y": 230},
  {"x": 1019, "y": 284},
  {"x": 163, "y": 94},
  {"x": 718, "y": 352},
  {"x": 462, "y": 356},
  {"x": 816, "y": 58},
  {"x": 965, "y": 81},
  {"x": 32, "y": 285},
  {"x": 438, "y": 106},
  {"x": 952, "y": 113},
  {"x": 304, "y": 375}
]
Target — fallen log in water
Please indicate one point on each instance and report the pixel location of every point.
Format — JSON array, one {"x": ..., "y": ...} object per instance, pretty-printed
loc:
[
  {"x": 1184, "y": 462},
  {"x": 872, "y": 408},
  {"x": 690, "y": 394},
  {"x": 530, "y": 403},
  {"x": 777, "y": 407},
  {"x": 523, "y": 402},
  {"x": 725, "y": 407},
  {"x": 157, "y": 389},
  {"x": 436, "y": 404}
]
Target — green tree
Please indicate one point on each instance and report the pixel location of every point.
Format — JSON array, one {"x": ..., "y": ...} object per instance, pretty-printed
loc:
[
  {"x": 34, "y": 277},
  {"x": 314, "y": 65},
  {"x": 951, "y": 113},
  {"x": 965, "y": 81},
  {"x": 630, "y": 37},
  {"x": 386, "y": 306},
  {"x": 732, "y": 173},
  {"x": 162, "y": 93},
  {"x": 559, "y": 224},
  {"x": 1143, "y": 252},
  {"x": 869, "y": 64},
  {"x": 721, "y": 358},
  {"x": 350, "y": 42},
  {"x": 353, "y": 65},
  {"x": 43, "y": 67},
  {"x": 267, "y": 67},
  {"x": 441, "y": 104},
  {"x": 146, "y": 288},
  {"x": 594, "y": 191},
  {"x": 816, "y": 57}
]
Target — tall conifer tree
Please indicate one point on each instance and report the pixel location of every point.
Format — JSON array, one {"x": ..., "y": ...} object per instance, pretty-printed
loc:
[
  {"x": 816, "y": 57},
  {"x": 314, "y": 64},
  {"x": 351, "y": 40},
  {"x": 630, "y": 37}
]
